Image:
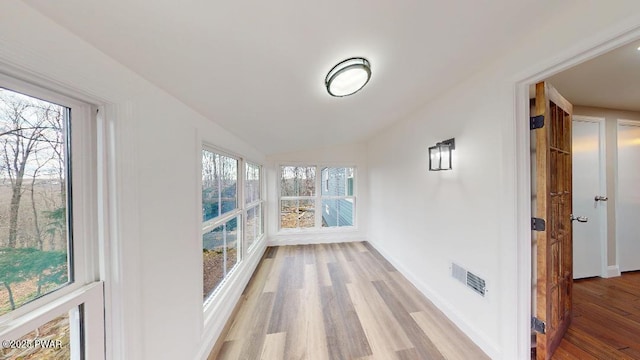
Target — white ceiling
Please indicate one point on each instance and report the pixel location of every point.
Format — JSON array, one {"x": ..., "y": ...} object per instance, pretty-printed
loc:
[
  {"x": 609, "y": 81},
  {"x": 257, "y": 68}
]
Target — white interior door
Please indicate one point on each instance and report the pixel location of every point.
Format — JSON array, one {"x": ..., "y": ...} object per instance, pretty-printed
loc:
[
  {"x": 589, "y": 238},
  {"x": 628, "y": 201}
]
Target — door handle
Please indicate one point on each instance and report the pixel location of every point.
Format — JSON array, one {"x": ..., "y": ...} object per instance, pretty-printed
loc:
[
  {"x": 601, "y": 198},
  {"x": 582, "y": 219}
]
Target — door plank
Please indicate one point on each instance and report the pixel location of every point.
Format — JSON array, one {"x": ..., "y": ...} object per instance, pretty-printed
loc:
[{"x": 554, "y": 204}]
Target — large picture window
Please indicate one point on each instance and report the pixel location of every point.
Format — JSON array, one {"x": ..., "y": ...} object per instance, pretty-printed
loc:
[
  {"x": 302, "y": 206},
  {"x": 221, "y": 218}
]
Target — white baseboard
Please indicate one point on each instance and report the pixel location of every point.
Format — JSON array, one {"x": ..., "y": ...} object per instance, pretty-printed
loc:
[
  {"x": 479, "y": 339},
  {"x": 317, "y": 238},
  {"x": 613, "y": 271}
]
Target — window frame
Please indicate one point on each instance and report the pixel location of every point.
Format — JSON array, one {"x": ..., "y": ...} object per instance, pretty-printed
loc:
[
  {"x": 211, "y": 224},
  {"x": 313, "y": 198},
  {"x": 208, "y": 225},
  {"x": 350, "y": 198},
  {"x": 256, "y": 204},
  {"x": 85, "y": 285},
  {"x": 317, "y": 197},
  {"x": 240, "y": 212}
]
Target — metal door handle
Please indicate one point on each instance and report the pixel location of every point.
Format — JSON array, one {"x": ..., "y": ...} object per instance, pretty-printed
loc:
[
  {"x": 601, "y": 198},
  {"x": 582, "y": 219}
]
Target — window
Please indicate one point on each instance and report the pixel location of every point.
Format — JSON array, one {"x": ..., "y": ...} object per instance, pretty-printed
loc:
[
  {"x": 298, "y": 197},
  {"x": 337, "y": 197},
  {"x": 221, "y": 218},
  {"x": 34, "y": 240},
  {"x": 253, "y": 203},
  {"x": 219, "y": 185},
  {"x": 48, "y": 251}
]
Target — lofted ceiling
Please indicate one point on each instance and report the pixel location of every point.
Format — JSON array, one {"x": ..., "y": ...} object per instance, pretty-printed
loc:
[
  {"x": 611, "y": 80},
  {"x": 257, "y": 68}
]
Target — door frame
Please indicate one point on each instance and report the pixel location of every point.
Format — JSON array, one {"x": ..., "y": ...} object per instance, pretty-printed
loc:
[
  {"x": 602, "y": 173},
  {"x": 623, "y": 122},
  {"x": 617, "y": 35}
]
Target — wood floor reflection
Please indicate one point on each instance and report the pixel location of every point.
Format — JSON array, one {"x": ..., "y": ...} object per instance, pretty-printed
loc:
[{"x": 606, "y": 320}]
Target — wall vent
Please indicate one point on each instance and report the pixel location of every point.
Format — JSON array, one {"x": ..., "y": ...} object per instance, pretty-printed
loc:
[{"x": 471, "y": 280}]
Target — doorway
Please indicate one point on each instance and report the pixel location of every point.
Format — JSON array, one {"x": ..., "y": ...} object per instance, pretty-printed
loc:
[
  {"x": 628, "y": 204},
  {"x": 608, "y": 254},
  {"x": 589, "y": 197}
]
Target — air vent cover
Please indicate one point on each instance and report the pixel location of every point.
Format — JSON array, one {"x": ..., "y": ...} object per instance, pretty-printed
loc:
[{"x": 471, "y": 280}]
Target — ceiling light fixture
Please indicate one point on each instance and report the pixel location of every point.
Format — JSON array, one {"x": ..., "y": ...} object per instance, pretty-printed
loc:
[{"x": 348, "y": 77}]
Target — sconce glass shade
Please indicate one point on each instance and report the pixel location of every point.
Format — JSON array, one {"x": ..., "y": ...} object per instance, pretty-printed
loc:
[
  {"x": 440, "y": 155},
  {"x": 348, "y": 77}
]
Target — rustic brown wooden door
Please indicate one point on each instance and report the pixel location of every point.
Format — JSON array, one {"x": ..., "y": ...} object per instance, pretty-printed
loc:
[{"x": 553, "y": 204}]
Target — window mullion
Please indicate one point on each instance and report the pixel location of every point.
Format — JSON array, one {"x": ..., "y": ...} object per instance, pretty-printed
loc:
[
  {"x": 214, "y": 223},
  {"x": 318, "y": 199}
]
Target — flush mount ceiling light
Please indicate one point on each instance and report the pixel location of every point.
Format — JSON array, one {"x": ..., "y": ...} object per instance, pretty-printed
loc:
[{"x": 348, "y": 77}]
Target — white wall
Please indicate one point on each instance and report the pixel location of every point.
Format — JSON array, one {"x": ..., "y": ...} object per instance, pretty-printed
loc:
[
  {"x": 343, "y": 155},
  {"x": 423, "y": 220},
  {"x": 155, "y": 287}
]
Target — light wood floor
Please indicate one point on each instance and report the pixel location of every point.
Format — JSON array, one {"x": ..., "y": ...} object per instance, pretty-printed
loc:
[
  {"x": 606, "y": 320},
  {"x": 338, "y": 301}
]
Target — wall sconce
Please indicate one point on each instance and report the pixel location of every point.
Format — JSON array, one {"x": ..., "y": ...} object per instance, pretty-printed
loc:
[{"x": 440, "y": 155}]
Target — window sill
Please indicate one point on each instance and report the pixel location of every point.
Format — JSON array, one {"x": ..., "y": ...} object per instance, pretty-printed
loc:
[{"x": 324, "y": 230}]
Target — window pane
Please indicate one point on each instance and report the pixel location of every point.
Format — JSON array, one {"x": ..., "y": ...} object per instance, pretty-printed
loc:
[
  {"x": 252, "y": 185},
  {"x": 260, "y": 215},
  {"x": 220, "y": 249},
  {"x": 297, "y": 214},
  {"x": 34, "y": 243},
  {"x": 252, "y": 225},
  {"x": 298, "y": 181},
  {"x": 349, "y": 175},
  {"x": 337, "y": 181},
  {"x": 337, "y": 212},
  {"x": 58, "y": 339},
  {"x": 219, "y": 184}
]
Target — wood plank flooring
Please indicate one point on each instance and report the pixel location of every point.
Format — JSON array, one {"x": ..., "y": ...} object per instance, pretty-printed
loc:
[
  {"x": 606, "y": 320},
  {"x": 338, "y": 302}
]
